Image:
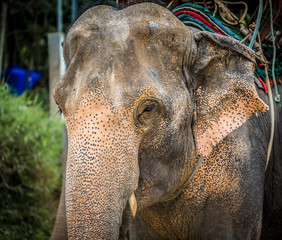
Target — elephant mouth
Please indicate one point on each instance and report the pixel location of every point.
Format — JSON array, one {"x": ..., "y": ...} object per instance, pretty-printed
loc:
[
  {"x": 127, "y": 216},
  {"x": 127, "y": 219}
]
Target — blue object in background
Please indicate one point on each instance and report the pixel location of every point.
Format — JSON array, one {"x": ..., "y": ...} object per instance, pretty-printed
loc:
[{"x": 20, "y": 79}]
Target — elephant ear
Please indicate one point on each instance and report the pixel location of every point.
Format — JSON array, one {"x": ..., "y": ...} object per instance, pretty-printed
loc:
[{"x": 224, "y": 91}]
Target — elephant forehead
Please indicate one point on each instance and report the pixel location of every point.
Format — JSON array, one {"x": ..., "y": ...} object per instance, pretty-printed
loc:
[
  {"x": 91, "y": 24},
  {"x": 98, "y": 17},
  {"x": 103, "y": 25},
  {"x": 124, "y": 52},
  {"x": 86, "y": 90},
  {"x": 120, "y": 78}
]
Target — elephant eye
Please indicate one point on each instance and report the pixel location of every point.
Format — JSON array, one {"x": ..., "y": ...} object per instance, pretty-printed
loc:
[
  {"x": 148, "y": 109},
  {"x": 147, "y": 113}
]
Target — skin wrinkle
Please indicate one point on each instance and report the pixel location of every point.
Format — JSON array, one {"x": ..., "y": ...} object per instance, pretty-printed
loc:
[
  {"x": 80, "y": 136},
  {"x": 193, "y": 193},
  {"x": 116, "y": 149}
]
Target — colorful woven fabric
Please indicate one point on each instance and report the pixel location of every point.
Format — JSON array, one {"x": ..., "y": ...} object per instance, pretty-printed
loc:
[
  {"x": 199, "y": 15},
  {"x": 201, "y": 18},
  {"x": 260, "y": 75}
]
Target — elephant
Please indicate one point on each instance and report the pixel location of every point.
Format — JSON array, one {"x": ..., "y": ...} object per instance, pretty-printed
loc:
[
  {"x": 60, "y": 228},
  {"x": 168, "y": 132}
]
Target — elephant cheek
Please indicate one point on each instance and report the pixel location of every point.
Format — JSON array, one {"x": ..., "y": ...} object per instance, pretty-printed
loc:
[{"x": 102, "y": 173}]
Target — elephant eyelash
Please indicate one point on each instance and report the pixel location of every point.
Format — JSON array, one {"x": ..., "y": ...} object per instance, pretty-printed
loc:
[
  {"x": 148, "y": 109},
  {"x": 59, "y": 111}
]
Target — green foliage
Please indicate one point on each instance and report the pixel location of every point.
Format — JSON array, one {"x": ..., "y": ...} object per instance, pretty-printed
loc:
[
  {"x": 30, "y": 172},
  {"x": 26, "y": 40}
]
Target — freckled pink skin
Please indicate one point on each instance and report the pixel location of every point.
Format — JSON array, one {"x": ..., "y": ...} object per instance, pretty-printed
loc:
[{"x": 102, "y": 170}]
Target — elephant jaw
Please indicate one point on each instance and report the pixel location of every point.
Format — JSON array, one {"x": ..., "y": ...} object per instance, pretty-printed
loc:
[{"x": 128, "y": 216}]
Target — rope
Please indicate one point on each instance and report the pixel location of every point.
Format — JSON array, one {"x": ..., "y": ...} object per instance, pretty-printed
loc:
[
  {"x": 262, "y": 58},
  {"x": 180, "y": 189},
  {"x": 278, "y": 13},
  {"x": 245, "y": 11},
  {"x": 257, "y": 24},
  {"x": 169, "y": 5},
  {"x": 203, "y": 19},
  {"x": 219, "y": 4},
  {"x": 271, "y": 117},
  {"x": 277, "y": 97}
]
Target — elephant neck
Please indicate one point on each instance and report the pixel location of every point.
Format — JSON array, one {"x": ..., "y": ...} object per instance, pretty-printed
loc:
[{"x": 175, "y": 219}]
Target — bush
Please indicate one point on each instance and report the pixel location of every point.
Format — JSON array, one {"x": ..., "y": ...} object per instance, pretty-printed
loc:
[{"x": 30, "y": 168}]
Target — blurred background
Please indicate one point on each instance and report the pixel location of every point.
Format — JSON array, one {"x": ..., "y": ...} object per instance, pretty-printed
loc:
[
  {"x": 25, "y": 37},
  {"x": 31, "y": 137}
]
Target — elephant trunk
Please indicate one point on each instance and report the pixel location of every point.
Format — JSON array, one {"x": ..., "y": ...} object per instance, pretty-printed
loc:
[{"x": 102, "y": 175}]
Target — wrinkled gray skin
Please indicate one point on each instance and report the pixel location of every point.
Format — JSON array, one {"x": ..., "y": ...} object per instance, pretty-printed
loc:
[
  {"x": 145, "y": 101},
  {"x": 60, "y": 227}
]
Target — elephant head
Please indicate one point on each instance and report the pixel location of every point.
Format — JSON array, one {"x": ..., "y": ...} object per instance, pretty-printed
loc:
[{"x": 144, "y": 99}]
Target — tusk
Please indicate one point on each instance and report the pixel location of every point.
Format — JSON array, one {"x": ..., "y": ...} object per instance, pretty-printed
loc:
[{"x": 133, "y": 204}]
